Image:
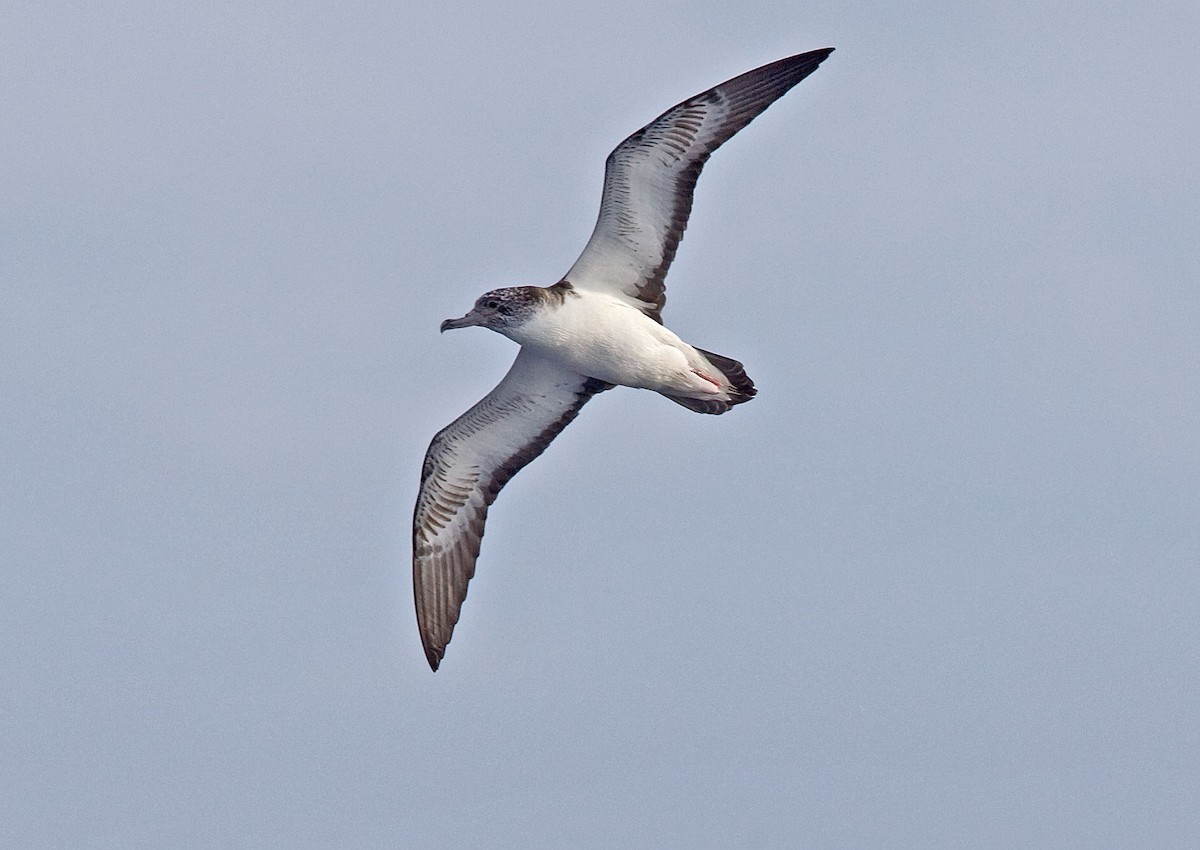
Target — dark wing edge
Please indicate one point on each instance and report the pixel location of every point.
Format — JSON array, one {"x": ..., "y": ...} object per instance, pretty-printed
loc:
[
  {"x": 467, "y": 464},
  {"x": 649, "y": 179}
]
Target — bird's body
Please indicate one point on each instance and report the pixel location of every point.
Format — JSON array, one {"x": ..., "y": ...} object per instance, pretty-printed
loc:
[
  {"x": 607, "y": 338},
  {"x": 599, "y": 327}
]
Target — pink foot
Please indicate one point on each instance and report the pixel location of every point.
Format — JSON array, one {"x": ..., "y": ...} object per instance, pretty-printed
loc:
[{"x": 708, "y": 378}]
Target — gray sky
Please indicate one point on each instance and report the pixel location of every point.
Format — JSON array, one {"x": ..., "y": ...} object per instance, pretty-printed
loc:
[{"x": 937, "y": 586}]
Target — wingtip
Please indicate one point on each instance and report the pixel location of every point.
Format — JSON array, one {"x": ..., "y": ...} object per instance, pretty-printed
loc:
[
  {"x": 812, "y": 57},
  {"x": 433, "y": 652},
  {"x": 818, "y": 56}
]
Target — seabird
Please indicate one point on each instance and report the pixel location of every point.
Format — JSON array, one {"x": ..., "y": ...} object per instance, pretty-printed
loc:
[{"x": 598, "y": 327}]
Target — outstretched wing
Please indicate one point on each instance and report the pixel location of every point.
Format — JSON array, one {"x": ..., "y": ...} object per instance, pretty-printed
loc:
[
  {"x": 466, "y": 465},
  {"x": 649, "y": 179}
]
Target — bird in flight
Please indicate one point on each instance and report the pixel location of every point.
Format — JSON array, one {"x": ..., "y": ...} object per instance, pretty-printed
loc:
[{"x": 597, "y": 328}]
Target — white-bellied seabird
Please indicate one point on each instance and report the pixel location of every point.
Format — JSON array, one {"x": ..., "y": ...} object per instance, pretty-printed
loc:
[{"x": 599, "y": 327}]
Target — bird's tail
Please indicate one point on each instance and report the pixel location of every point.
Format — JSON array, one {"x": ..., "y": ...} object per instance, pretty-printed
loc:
[{"x": 741, "y": 388}]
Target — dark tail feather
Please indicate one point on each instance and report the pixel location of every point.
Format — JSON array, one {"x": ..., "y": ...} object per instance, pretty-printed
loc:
[{"x": 743, "y": 388}]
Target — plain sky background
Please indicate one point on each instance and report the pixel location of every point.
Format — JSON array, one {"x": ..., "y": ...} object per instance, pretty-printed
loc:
[{"x": 938, "y": 586}]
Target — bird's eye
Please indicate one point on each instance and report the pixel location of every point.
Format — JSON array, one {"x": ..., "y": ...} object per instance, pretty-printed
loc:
[{"x": 491, "y": 303}]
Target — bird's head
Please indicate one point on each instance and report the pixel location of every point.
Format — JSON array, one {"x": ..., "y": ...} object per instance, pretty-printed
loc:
[{"x": 499, "y": 310}]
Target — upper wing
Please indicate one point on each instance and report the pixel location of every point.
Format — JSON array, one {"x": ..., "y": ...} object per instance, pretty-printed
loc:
[
  {"x": 466, "y": 465},
  {"x": 649, "y": 179}
]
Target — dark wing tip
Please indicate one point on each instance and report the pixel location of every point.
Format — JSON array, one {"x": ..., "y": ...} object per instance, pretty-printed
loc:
[
  {"x": 814, "y": 56},
  {"x": 784, "y": 73},
  {"x": 434, "y": 656},
  {"x": 434, "y": 649}
]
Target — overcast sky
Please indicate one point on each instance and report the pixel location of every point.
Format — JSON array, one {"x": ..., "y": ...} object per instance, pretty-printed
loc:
[{"x": 939, "y": 585}]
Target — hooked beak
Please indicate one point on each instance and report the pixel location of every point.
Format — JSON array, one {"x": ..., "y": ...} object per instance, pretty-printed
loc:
[{"x": 472, "y": 319}]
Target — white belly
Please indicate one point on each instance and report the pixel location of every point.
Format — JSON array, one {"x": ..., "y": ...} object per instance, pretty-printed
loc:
[{"x": 606, "y": 338}]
